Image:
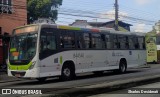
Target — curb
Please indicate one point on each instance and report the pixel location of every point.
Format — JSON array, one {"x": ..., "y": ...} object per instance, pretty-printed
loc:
[
  {"x": 3, "y": 72},
  {"x": 9, "y": 81},
  {"x": 4, "y": 78}
]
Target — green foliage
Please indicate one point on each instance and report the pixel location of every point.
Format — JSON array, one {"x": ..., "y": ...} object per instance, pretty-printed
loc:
[{"x": 42, "y": 9}]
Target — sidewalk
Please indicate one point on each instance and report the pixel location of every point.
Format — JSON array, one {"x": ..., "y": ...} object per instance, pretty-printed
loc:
[
  {"x": 150, "y": 66},
  {"x": 95, "y": 89},
  {"x": 5, "y": 78},
  {"x": 99, "y": 89}
]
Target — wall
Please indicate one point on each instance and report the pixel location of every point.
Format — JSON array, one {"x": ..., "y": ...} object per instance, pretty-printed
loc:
[{"x": 18, "y": 18}]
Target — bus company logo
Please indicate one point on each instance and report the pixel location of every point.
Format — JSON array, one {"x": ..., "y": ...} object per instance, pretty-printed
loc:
[{"x": 6, "y": 91}]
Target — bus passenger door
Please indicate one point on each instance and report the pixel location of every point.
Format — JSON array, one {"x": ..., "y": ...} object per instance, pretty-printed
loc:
[{"x": 48, "y": 48}]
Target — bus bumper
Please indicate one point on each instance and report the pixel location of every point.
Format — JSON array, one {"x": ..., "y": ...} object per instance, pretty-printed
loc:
[{"x": 33, "y": 73}]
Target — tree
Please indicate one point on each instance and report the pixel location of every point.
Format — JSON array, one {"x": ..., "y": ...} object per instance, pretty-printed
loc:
[{"x": 42, "y": 9}]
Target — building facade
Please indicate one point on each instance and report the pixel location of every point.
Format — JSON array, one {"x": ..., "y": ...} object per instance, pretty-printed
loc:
[
  {"x": 110, "y": 25},
  {"x": 13, "y": 13}
]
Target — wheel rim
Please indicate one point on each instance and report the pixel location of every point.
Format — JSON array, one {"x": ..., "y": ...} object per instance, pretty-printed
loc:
[{"x": 67, "y": 72}]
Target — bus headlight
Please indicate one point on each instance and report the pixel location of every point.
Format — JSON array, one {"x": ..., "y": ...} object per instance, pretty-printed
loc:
[{"x": 33, "y": 64}]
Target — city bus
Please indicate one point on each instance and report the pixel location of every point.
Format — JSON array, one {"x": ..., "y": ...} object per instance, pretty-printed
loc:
[{"x": 41, "y": 51}]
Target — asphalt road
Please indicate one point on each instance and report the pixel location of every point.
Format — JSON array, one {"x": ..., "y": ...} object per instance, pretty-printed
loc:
[
  {"x": 136, "y": 91},
  {"x": 83, "y": 81}
]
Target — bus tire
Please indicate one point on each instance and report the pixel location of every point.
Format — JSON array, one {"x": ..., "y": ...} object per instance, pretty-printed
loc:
[
  {"x": 43, "y": 79},
  {"x": 67, "y": 73},
  {"x": 122, "y": 66}
]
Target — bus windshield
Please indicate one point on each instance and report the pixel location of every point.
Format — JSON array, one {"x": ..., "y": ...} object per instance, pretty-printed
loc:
[{"x": 23, "y": 47}]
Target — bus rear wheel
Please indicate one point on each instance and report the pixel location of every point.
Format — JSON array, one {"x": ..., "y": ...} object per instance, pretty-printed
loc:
[
  {"x": 122, "y": 67},
  {"x": 67, "y": 73}
]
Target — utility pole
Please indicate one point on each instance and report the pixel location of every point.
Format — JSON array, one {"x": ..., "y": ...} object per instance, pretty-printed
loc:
[{"x": 116, "y": 14}]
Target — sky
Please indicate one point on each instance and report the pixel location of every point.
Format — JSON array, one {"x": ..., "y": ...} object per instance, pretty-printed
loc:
[{"x": 142, "y": 14}]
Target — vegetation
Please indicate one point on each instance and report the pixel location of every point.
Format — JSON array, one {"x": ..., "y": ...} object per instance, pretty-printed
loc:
[{"x": 42, "y": 9}]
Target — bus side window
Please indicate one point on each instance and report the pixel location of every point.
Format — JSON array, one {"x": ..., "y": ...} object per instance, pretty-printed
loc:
[
  {"x": 136, "y": 43},
  {"x": 116, "y": 42},
  {"x": 61, "y": 42},
  {"x": 67, "y": 40},
  {"x": 51, "y": 42},
  {"x": 79, "y": 40},
  {"x": 144, "y": 44},
  {"x": 96, "y": 41},
  {"x": 87, "y": 40},
  {"x": 141, "y": 42},
  {"x": 108, "y": 42},
  {"x": 43, "y": 42},
  {"x": 126, "y": 42},
  {"x": 131, "y": 42},
  {"x": 121, "y": 41},
  {"x": 103, "y": 41}
]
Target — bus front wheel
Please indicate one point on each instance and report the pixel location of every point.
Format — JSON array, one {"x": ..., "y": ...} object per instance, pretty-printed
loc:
[{"x": 67, "y": 73}]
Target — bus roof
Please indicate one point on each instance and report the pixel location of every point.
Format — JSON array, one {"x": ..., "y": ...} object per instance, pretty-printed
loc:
[{"x": 85, "y": 29}]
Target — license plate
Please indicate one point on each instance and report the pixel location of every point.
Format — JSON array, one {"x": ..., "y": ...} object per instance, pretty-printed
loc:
[{"x": 17, "y": 75}]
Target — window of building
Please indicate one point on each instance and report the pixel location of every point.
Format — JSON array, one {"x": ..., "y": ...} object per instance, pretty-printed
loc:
[
  {"x": 10, "y": 2},
  {"x": 6, "y": 6},
  {"x": 6, "y": 2}
]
